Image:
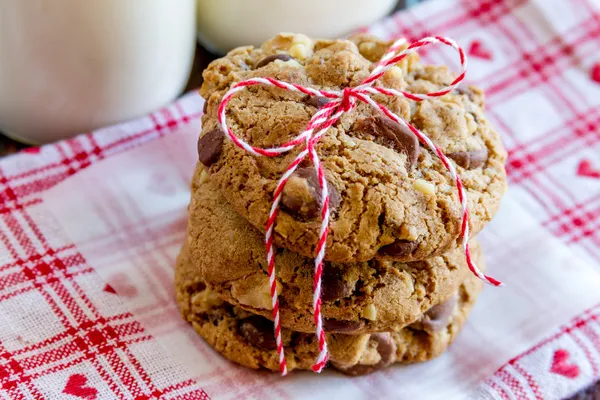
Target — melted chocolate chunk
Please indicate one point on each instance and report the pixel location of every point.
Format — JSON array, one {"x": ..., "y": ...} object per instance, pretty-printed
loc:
[
  {"x": 210, "y": 146},
  {"x": 316, "y": 101},
  {"x": 399, "y": 248},
  {"x": 438, "y": 317},
  {"x": 387, "y": 133},
  {"x": 258, "y": 331},
  {"x": 301, "y": 195},
  {"x": 333, "y": 285},
  {"x": 270, "y": 59},
  {"x": 338, "y": 325},
  {"x": 470, "y": 159},
  {"x": 386, "y": 348}
]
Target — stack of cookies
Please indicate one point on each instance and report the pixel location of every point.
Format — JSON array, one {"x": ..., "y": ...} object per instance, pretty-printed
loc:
[{"x": 395, "y": 284}]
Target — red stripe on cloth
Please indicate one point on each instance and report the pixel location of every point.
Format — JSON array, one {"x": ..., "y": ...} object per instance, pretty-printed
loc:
[
  {"x": 513, "y": 383},
  {"x": 500, "y": 391},
  {"x": 589, "y": 355},
  {"x": 533, "y": 385}
]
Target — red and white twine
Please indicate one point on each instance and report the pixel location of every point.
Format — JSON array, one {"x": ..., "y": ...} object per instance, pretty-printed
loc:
[{"x": 341, "y": 102}]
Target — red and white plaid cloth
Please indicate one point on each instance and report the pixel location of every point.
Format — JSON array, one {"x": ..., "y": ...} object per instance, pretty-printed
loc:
[{"x": 74, "y": 329}]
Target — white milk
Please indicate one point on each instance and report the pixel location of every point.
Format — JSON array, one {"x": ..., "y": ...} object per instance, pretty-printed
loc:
[
  {"x": 225, "y": 24},
  {"x": 69, "y": 66}
]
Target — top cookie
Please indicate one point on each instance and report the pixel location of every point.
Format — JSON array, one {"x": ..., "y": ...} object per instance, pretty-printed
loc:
[{"x": 391, "y": 197}]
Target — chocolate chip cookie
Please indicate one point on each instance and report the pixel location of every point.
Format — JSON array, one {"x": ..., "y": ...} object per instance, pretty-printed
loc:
[
  {"x": 391, "y": 197},
  {"x": 247, "y": 339},
  {"x": 359, "y": 297}
]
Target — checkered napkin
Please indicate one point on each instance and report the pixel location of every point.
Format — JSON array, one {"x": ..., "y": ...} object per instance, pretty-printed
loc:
[{"x": 86, "y": 303}]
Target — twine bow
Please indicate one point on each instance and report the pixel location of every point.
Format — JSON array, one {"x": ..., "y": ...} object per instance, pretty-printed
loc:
[{"x": 342, "y": 102}]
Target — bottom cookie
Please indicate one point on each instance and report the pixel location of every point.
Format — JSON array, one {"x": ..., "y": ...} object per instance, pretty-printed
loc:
[{"x": 247, "y": 339}]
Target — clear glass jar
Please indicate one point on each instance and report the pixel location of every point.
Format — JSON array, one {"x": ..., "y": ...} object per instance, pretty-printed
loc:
[
  {"x": 225, "y": 24},
  {"x": 70, "y": 66}
]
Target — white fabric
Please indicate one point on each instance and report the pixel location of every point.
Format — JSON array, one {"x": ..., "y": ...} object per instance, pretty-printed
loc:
[{"x": 131, "y": 213}]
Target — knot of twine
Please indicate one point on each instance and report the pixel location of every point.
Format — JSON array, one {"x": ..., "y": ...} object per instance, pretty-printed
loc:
[{"x": 341, "y": 102}]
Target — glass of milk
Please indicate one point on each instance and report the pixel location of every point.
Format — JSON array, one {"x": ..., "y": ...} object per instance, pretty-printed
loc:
[
  {"x": 70, "y": 66},
  {"x": 225, "y": 24}
]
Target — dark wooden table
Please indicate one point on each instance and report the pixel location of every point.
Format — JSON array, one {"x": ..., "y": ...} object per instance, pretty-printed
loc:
[{"x": 202, "y": 59}]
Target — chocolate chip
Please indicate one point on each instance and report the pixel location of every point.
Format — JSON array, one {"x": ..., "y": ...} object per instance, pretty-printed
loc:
[
  {"x": 340, "y": 326},
  {"x": 399, "y": 248},
  {"x": 470, "y": 159},
  {"x": 269, "y": 59},
  {"x": 301, "y": 195},
  {"x": 196, "y": 287},
  {"x": 437, "y": 317},
  {"x": 386, "y": 132},
  {"x": 333, "y": 286},
  {"x": 316, "y": 101},
  {"x": 258, "y": 331},
  {"x": 210, "y": 146},
  {"x": 386, "y": 347},
  {"x": 205, "y": 107}
]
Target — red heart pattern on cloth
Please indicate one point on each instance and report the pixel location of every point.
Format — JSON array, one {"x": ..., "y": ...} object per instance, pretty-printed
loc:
[
  {"x": 477, "y": 49},
  {"x": 77, "y": 386},
  {"x": 109, "y": 289},
  {"x": 586, "y": 169},
  {"x": 595, "y": 72},
  {"x": 562, "y": 366}
]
